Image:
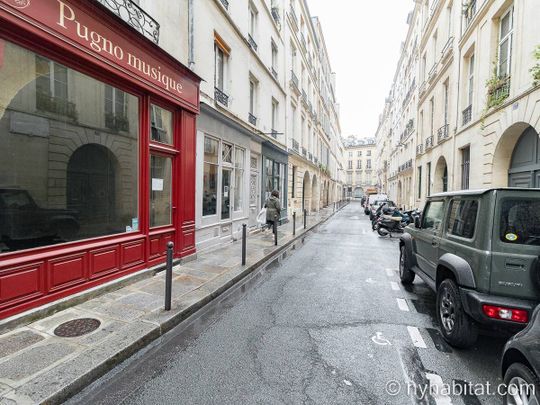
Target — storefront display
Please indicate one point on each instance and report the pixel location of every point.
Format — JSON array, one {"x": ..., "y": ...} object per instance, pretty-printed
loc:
[{"x": 97, "y": 164}]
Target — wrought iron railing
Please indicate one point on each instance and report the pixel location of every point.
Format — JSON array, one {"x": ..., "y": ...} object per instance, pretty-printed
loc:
[
  {"x": 275, "y": 14},
  {"x": 252, "y": 119},
  {"x": 252, "y": 43},
  {"x": 225, "y": 3},
  {"x": 295, "y": 81},
  {"x": 117, "y": 122},
  {"x": 274, "y": 133},
  {"x": 292, "y": 13},
  {"x": 304, "y": 151},
  {"x": 433, "y": 72},
  {"x": 135, "y": 16},
  {"x": 310, "y": 156},
  {"x": 470, "y": 12},
  {"x": 295, "y": 145},
  {"x": 442, "y": 133},
  {"x": 501, "y": 90},
  {"x": 274, "y": 73},
  {"x": 467, "y": 115},
  {"x": 429, "y": 142},
  {"x": 56, "y": 105},
  {"x": 448, "y": 47},
  {"x": 419, "y": 149},
  {"x": 221, "y": 97}
]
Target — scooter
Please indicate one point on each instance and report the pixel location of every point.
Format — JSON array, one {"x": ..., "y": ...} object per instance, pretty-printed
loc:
[{"x": 389, "y": 224}]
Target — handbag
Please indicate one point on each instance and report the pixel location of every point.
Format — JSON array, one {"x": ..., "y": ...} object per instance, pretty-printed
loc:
[{"x": 261, "y": 217}]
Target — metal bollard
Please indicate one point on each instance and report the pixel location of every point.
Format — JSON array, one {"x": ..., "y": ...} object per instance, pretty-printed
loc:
[
  {"x": 294, "y": 223},
  {"x": 305, "y": 219},
  {"x": 275, "y": 230},
  {"x": 168, "y": 277},
  {"x": 244, "y": 241}
]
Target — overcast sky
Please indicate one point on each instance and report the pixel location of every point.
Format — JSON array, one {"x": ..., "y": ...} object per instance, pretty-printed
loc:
[{"x": 363, "y": 39}]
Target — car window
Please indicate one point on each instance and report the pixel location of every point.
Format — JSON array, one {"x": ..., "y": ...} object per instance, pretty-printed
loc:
[
  {"x": 462, "y": 218},
  {"x": 520, "y": 221},
  {"x": 433, "y": 215}
]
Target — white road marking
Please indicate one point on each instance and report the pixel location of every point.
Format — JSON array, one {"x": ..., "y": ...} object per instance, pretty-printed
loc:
[
  {"x": 389, "y": 272},
  {"x": 437, "y": 390},
  {"x": 380, "y": 340},
  {"x": 394, "y": 285},
  {"x": 347, "y": 382},
  {"x": 370, "y": 281},
  {"x": 402, "y": 304},
  {"x": 416, "y": 337}
]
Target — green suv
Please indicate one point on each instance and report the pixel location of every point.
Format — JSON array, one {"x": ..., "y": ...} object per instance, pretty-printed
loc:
[{"x": 479, "y": 251}]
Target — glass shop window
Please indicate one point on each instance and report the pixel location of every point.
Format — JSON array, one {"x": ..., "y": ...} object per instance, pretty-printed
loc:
[{"x": 69, "y": 161}]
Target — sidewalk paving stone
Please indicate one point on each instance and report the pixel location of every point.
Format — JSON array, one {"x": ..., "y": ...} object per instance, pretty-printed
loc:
[{"x": 36, "y": 366}]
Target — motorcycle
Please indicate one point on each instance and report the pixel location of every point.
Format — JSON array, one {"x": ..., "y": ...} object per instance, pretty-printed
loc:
[{"x": 390, "y": 224}]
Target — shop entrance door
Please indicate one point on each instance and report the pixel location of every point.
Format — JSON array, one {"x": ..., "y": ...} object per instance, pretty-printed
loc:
[{"x": 254, "y": 192}]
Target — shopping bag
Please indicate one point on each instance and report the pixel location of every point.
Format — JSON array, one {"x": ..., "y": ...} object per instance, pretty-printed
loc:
[{"x": 261, "y": 218}]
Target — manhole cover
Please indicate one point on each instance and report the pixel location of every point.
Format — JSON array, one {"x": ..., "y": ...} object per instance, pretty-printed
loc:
[{"x": 77, "y": 327}]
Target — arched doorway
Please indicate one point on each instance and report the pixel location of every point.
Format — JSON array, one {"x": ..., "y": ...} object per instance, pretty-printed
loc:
[
  {"x": 440, "y": 181},
  {"x": 315, "y": 194},
  {"x": 306, "y": 192},
  {"x": 358, "y": 192},
  {"x": 524, "y": 168},
  {"x": 91, "y": 189}
]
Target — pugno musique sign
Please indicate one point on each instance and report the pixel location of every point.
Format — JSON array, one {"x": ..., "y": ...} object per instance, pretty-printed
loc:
[{"x": 70, "y": 21}]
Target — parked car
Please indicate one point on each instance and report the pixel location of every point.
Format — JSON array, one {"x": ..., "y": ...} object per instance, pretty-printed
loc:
[
  {"x": 521, "y": 363},
  {"x": 22, "y": 220},
  {"x": 479, "y": 251}
]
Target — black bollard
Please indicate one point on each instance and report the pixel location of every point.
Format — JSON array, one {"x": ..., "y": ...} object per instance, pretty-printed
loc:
[
  {"x": 275, "y": 230},
  {"x": 168, "y": 277},
  {"x": 244, "y": 241},
  {"x": 294, "y": 223},
  {"x": 305, "y": 219}
]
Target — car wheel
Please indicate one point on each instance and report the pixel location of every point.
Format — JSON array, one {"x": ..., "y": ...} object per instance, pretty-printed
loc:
[
  {"x": 457, "y": 327},
  {"x": 406, "y": 275},
  {"x": 522, "y": 385}
]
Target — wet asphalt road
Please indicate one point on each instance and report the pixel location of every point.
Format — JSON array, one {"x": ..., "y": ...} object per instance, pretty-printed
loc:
[{"x": 331, "y": 325}]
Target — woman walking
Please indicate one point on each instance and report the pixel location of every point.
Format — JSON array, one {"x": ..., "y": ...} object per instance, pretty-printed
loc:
[{"x": 273, "y": 209}]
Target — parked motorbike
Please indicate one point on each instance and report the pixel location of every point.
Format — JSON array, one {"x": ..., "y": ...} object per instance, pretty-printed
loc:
[{"x": 389, "y": 224}]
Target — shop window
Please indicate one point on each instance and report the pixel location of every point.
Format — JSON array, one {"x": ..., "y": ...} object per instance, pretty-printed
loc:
[
  {"x": 57, "y": 183},
  {"x": 161, "y": 125},
  {"x": 160, "y": 191},
  {"x": 210, "y": 176},
  {"x": 230, "y": 170}
]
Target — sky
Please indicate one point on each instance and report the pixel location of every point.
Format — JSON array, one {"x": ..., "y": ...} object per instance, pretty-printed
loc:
[{"x": 363, "y": 39}]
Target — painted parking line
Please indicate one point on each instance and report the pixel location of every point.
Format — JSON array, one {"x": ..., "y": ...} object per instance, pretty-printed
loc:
[
  {"x": 394, "y": 285},
  {"x": 416, "y": 337},
  {"x": 402, "y": 304},
  {"x": 438, "y": 389},
  {"x": 389, "y": 273}
]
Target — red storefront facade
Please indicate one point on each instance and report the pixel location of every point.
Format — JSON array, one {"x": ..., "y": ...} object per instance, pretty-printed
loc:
[{"x": 97, "y": 151}]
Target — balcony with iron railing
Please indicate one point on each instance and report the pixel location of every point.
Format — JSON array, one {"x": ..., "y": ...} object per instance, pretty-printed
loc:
[
  {"x": 467, "y": 115},
  {"x": 443, "y": 133},
  {"x": 275, "y": 14},
  {"x": 469, "y": 12},
  {"x": 252, "y": 43},
  {"x": 221, "y": 97},
  {"x": 429, "y": 142},
  {"x": 117, "y": 122},
  {"x": 252, "y": 119},
  {"x": 447, "y": 50},
  {"x": 432, "y": 73},
  {"x": 135, "y": 16},
  {"x": 419, "y": 149},
  {"x": 304, "y": 151},
  {"x": 498, "y": 91},
  {"x": 310, "y": 156},
  {"x": 294, "y": 19},
  {"x": 295, "y": 146},
  {"x": 274, "y": 133},
  {"x": 56, "y": 105},
  {"x": 274, "y": 72}
]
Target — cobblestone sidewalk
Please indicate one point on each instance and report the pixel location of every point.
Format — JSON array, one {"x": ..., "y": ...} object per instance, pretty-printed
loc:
[{"x": 37, "y": 366}]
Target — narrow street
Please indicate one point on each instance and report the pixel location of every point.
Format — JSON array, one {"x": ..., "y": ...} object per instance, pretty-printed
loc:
[{"x": 331, "y": 325}]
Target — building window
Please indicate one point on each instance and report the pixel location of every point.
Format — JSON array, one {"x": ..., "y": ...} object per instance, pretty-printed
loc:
[
  {"x": 58, "y": 184},
  {"x": 358, "y": 164},
  {"x": 350, "y": 154},
  {"x": 445, "y": 90},
  {"x": 275, "y": 116},
  {"x": 505, "y": 43},
  {"x": 432, "y": 117},
  {"x": 160, "y": 191},
  {"x": 359, "y": 153},
  {"x": 350, "y": 165},
  {"x": 465, "y": 167},
  {"x": 221, "y": 58},
  {"x": 116, "y": 109},
  {"x": 220, "y": 69},
  {"x": 471, "y": 81},
  {"x": 368, "y": 164},
  {"x": 253, "y": 93},
  {"x": 419, "y": 182},
  {"x": 210, "y": 176},
  {"x": 293, "y": 182},
  {"x": 428, "y": 175},
  {"x": 368, "y": 153},
  {"x": 274, "y": 59}
]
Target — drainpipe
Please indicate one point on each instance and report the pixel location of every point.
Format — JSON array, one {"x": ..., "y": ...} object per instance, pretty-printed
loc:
[{"x": 191, "y": 59}]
